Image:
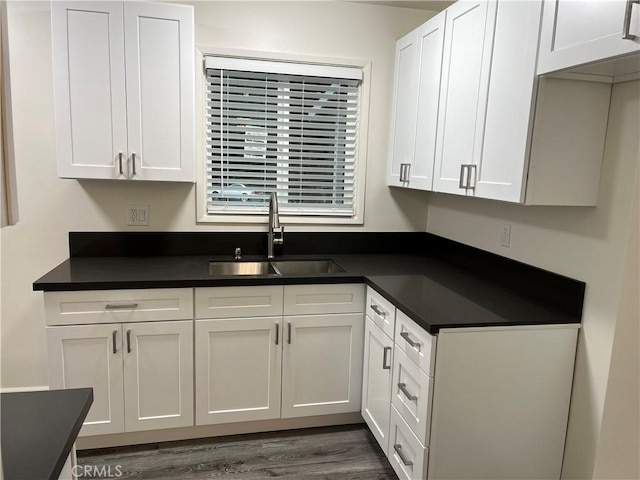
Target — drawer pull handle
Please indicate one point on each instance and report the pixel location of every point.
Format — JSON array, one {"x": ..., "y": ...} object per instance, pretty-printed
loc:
[
  {"x": 378, "y": 310},
  {"x": 403, "y": 389},
  {"x": 398, "y": 448},
  {"x": 277, "y": 333},
  {"x": 128, "y": 341},
  {"x": 114, "y": 336},
  {"x": 121, "y": 306},
  {"x": 626, "y": 26},
  {"x": 289, "y": 333},
  {"x": 384, "y": 358},
  {"x": 410, "y": 341}
]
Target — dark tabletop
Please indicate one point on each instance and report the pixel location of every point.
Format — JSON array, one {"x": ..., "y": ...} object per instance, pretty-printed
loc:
[{"x": 39, "y": 430}]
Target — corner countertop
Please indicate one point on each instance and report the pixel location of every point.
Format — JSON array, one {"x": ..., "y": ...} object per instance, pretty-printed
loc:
[
  {"x": 434, "y": 293},
  {"x": 39, "y": 430}
]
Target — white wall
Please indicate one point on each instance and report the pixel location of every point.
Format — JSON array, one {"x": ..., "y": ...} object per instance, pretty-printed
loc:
[
  {"x": 619, "y": 445},
  {"x": 588, "y": 244},
  {"x": 51, "y": 207}
]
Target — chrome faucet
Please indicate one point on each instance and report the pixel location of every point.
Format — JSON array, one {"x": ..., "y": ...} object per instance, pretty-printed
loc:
[{"x": 276, "y": 232}]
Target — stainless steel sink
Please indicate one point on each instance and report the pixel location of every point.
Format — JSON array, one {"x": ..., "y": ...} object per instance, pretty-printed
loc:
[
  {"x": 241, "y": 268},
  {"x": 302, "y": 267}
]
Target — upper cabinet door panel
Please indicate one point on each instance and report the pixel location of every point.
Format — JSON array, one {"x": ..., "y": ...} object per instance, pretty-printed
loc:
[
  {"x": 465, "y": 76},
  {"x": 430, "y": 43},
  {"x": 403, "y": 118},
  {"x": 89, "y": 85},
  {"x": 501, "y": 169},
  {"x": 160, "y": 90},
  {"x": 576, "y": 33}
]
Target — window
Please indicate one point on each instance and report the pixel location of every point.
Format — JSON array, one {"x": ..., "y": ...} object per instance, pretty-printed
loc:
[{"x": 281, "y": 127}]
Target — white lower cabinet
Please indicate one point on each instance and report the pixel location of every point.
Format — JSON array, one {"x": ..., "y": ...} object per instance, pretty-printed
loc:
[
  {"x": 303, "y": 358},
  {"x": 90, "y": 356},
  {"x": 376, "y": 382},
  {"x": 408, "y": 457},
  {"x": 141, "y": 373},
  {"x": 322, "y": 364},
  {"x": 238, "y": 369}
]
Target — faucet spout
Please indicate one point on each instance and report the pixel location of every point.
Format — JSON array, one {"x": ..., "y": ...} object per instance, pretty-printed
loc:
[{"x": 276, "y": 232}]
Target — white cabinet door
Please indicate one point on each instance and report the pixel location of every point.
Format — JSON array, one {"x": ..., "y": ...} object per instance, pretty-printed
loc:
[
  {"x": 322, "y": 364},
  {"x": 376, "y": 383},
  {"x": 160, "y": 66},
  {"x": 501, "y": 170},
  {"x": 89, "y": 89},
  {"x": 90, "y": 356},
  {"x": 158, "y": 375},
  {"x": 404, "y": 109},
  {"x": 580, "y": 32},
  {"x": 238, "y": 369},
  {"x": 430, "y": 43},
  {"x": 465, "y": 80},
  {"x": 124, "y": 90}
]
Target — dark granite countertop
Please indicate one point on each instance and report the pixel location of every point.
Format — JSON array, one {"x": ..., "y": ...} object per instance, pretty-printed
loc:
[
  {"x": 434, "y": 293},
  {"x": 39, "y": 430}
]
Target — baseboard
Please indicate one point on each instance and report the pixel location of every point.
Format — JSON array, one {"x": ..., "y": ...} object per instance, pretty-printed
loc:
[{"x": 155, "y": 436}]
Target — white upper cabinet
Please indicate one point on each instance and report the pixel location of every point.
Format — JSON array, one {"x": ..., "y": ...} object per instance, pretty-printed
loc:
[
  {"x": 124, "y": 90},
  {"x": 403, "y": 130},
  {"x": 576, "y": 33},
  {"x": 415, "y": 105},
  {"x": 502, "y": 133},
  {"x": 465, "y": 78}
]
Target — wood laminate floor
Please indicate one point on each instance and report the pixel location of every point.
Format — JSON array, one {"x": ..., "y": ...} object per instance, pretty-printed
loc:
[{"x": 348, "y": 452}]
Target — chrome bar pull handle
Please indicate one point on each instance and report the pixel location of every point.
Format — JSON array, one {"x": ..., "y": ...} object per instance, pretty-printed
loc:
[
  {"x": 121, "y": 306},
  {"x": 471, "y": 170},
  {"x": 128, "y": 341},
  {"x": 410, "y": 341},
  {"x": 289, "y": 333},
  {"x": 403, "y": 389},
  {"x": 133, "y": 162},
  {"x": 398, "y": 448},
  {"x": 461, "y": 182},
  {"x": 114, "y": 339},
  {"x": 385, "y": 351},
  {"x": 277, "y": 333},
  {"x": 378, "y": 310},
  {"x": 626, "y": 26},
  {"x": 120, "y": 163}
]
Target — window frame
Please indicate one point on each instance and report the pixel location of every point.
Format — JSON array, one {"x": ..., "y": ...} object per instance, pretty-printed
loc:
[{"x": 203, "y": 216}]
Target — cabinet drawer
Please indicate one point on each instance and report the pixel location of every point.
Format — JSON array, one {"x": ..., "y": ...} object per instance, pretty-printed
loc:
[
  {"x": 236, "y": 302},
  {"x": 408, "y": 457},
  {"x": 417, "y": 343},
  {"x": 320, "y": 299},
  {"x": 411, "y": 395},
  {"x": 116, "y": 306},
  {"x": 381, "y": 311}
]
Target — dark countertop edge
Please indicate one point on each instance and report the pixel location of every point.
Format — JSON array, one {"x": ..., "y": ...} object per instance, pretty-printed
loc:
[
  {"x": 66, "y": 448},
  {"x": 222, "y": 281}
]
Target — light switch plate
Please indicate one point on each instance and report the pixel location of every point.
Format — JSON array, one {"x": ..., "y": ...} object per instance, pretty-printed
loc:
[
  {"x": 505, "y": 235},
  {"x": 137, "y": 214}
]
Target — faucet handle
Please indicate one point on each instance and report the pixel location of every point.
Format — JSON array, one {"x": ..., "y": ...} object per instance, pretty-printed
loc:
[{"x": 238, "y": 253}]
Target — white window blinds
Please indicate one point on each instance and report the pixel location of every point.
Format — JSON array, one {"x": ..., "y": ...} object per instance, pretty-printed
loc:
[{"x": 281, "y": 127}]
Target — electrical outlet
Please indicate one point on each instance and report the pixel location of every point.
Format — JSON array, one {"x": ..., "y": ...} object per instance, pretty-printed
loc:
[
  {"x": 137, "y": 214},
  {"x": 505, "y": 235}
]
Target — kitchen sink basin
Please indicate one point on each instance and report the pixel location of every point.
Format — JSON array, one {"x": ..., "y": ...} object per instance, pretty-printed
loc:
[
  {"x": 273, "y": 267},
  {"x": 301, "y": 267},
  {"x": 241, "y": 268}
]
